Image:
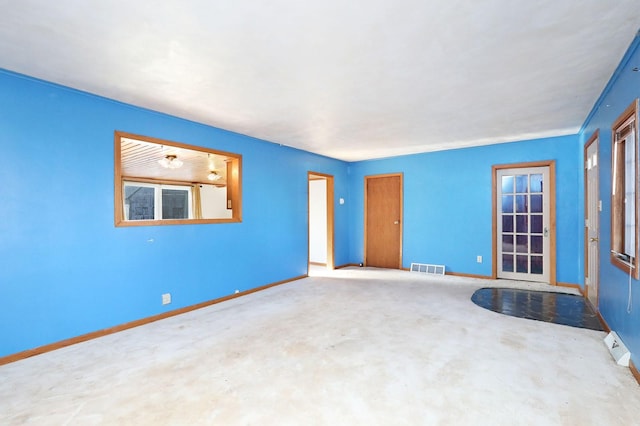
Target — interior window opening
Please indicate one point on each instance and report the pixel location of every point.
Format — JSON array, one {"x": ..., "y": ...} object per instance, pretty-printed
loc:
[{"x": 159, "y": 182}]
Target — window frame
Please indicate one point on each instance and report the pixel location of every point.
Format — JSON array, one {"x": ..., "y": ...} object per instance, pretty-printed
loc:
[
  {"x": 158, "y": 198},
  {"x": 624, "y": 221},
  {"x": 233, "y": 185}
]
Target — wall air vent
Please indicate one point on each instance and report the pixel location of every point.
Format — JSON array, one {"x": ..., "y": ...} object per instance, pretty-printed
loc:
[{"x": 426, "y": 268}]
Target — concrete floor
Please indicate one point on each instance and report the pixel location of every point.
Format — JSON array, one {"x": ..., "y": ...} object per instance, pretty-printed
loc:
[{"x": 352, "y": 347}]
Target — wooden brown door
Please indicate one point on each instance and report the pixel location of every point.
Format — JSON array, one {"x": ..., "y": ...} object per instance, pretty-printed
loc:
[{"x": 383, "y": 221}]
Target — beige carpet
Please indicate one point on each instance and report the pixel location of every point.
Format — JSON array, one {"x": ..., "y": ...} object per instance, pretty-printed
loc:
[{"x": 354, "y": 347}]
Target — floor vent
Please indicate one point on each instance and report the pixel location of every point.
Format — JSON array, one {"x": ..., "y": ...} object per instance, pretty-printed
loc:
[
  {"x": 618, "y": 350},
  {"x": 426, "y": 268}
]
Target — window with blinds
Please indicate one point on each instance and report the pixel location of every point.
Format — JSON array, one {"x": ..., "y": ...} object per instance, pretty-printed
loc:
[{"x": 624, "y": 196}]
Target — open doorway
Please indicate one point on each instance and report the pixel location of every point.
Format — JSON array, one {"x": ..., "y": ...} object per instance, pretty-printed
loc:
[{"x": 320, "y": 220}]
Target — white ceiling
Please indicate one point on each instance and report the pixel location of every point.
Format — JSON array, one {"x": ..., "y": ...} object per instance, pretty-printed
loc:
[{"x": 350, "y": 79}]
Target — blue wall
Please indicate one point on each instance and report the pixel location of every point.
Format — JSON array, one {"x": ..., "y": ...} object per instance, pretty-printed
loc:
[
  {"x": 447, "y": 203},
  {"x": 623, "y": 89},
  {"x": 66, "y": 270}
]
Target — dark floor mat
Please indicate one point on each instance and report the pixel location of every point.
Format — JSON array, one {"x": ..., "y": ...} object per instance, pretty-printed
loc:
[{"x": 559, "y": 308}]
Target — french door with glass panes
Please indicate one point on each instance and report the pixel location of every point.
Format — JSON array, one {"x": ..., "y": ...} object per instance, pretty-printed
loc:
[{"x": 523, "y": 225}]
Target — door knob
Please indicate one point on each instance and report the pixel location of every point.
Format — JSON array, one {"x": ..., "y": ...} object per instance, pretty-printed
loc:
[{"x": 396, "y": 222}]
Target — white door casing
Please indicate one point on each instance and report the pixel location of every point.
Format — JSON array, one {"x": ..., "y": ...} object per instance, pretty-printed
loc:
[{"x": 592, "y": 224}]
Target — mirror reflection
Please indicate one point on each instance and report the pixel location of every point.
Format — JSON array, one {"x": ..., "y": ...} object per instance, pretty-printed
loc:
[{"x": 162, "y": 182}]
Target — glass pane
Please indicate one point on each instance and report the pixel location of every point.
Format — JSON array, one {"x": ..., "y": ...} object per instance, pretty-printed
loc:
[
  {"x": 521, "y": 204},
  {"x": 507, "y": 262},
  {"x": 507, "y": 243},
  {"x": 175, "y": 204},
  {"x": 521, "y": 183},
  {"x": 507, "y": 223},
  {"x": 507, "y": 204},
  {"x": 507, "y": 184},
  {"x": 536, "y": 265},
  {"x": 536, "y": 204},
  {"x": 521, "y": 223},
  {"x": 536, "y": 224},
  {"x": 630, "y": 196},
  {"x": 536, "y": 244},
  {"x": 139, "y": 203},
  {"x": 522, "y": 244},
  {"x": 522, "y": 264},
  {"x": 536, "y": 183}
]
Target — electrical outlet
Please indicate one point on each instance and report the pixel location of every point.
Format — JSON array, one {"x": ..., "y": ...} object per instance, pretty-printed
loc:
[
  {"x": 479, "y": 259},
  {"x": 166, "y": 298}
]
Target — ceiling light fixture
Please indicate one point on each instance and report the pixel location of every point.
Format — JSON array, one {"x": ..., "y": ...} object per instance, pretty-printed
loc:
[
  {"x": 213, "y": 176},
  {"x": 170, "y": 162}
]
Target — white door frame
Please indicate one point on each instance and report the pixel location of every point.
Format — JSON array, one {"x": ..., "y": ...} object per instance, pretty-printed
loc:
[
  {"x": 550, "y": 222},
  {"x": 592, "y": 219}
]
